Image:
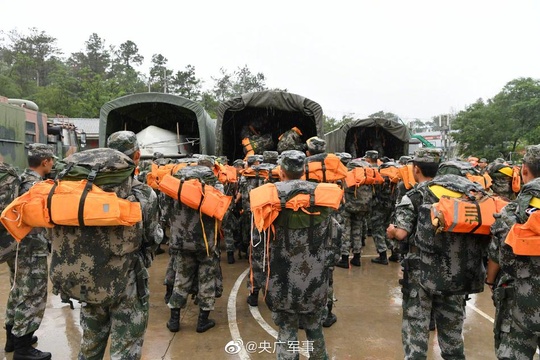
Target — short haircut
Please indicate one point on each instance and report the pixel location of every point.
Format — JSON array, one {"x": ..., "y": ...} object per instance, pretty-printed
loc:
[
  {"x": 293, "y": 175},
  {"x": 534, "y": 167},
  {"x": 35, "y": 161},
  {"x": 428, "y": 169}
]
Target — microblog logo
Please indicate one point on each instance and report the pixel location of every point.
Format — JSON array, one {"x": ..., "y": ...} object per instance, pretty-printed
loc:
[{"x": 234, "y": 347}]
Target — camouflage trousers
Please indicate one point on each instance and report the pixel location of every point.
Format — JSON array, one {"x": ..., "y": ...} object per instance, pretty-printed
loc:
[
  {"x": 449, "y": 314},
  {"x": 170, "y": 273},
  {"x": 380, "y": 219},
  {"x": 124, "y": 320},
  {"x": 331, "y": 286},
  {"x": 511, "y": 341},
  {"x": 287, "y": 345},
  {"x": 257, "y": 275},
  {"x": 353, "y": 229},
  {"x": 190, "y": 267},
  {"x": 230, "y": 223},
  {"x": 28, "y": 298}
]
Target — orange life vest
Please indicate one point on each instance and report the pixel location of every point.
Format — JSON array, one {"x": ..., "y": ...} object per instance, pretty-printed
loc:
[
  {"x": 363, "y": 176},
  {"x": 157, "y": 173},
  {"x": 407, "y": 176},
  {"x": 484, "y": 180},
  {"x": 251, "y": 172},
  {"x": 192, "y": 193},
  {"x": 69, "y": 203},
  {"x": 331, "y": 169},
  {"x": 225, "y": 173},
  {"x": 456, "y": 213},
  {"x": 525, "y": 238},
  {"x": 265, "y": 202},
  {"x": 392, "y": 173},
  {"x": 248, "y": 148},
  {"x": 516, "y": 179}
]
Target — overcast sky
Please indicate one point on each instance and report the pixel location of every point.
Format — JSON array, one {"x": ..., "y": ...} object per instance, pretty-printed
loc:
[{"x": 414, "y": 58}]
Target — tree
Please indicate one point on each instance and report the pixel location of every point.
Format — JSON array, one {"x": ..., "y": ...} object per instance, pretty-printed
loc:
[
  {"x": 186, "y": 84},
  {"x": 386, "y": 115},
  {"x": 159, "y": 74}
]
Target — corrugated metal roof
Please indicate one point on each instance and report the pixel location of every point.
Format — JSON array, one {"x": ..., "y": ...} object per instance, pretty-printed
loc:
[{"x": 90, "y": 126}]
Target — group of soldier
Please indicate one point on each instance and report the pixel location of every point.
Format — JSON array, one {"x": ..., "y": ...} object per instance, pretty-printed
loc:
[{"x": 295, "y": 271}]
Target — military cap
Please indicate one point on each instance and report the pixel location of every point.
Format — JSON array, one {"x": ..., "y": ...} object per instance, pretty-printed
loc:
[
  {"x": 223, "y": 159},
  {"x": 345, "y": 157},
  {"x": 238, "y": 162},
  {"x": 123, "y": 141},
  {"x": 270, "y": 157},
  {"x": 157, "y": 155},
  {"x": 532, "y": 155},
  {"x": 316, "y": 145},
  {"x": 43, "y": 151},
  {"x": 403, "y": 160},
  {"x": 427, "y": 155},
  {"x": 292, "y": 160},
  {"x": 372, "y": 154},
  {"x": 483, "y": 160},
  {"x": 251, "y": 159},
  {"x": 206, "y": 160}
]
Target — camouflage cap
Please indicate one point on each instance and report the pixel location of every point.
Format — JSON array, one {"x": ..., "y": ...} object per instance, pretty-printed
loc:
[
  {"x": 345, "y": 157},
  {"x": 372, "y": 154},
  {"x": 251, "y": 159},
  {"x": 426, "y": 155},
  {"x": 532, "y": 155},
  {"x": 43, "y": 151},
  {"x": 158, "y": 155},
  {"x": 238, "y": 162},
  {"x": 316, "y": 145},
  {"x": 403, "y": 160},
  {"x": 123, "y": 141},
  {"x": 292, "y": 160},
  {"x": 206, "y": 160},
  {"x": 270, "y": 157},
  {"x": 223, "y": 159},
  {"x": 483, "y": 160}
]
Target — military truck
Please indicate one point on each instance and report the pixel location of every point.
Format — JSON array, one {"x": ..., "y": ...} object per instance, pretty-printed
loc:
[
  {"x": 21, "y": 123},
  {"x": 162, "y": 114},
  {"x": 265, "y": 113},
  {"x": 388, "y": 137}
]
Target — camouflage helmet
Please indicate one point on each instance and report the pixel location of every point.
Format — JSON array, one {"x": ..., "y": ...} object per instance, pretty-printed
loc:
[
  {"x": 532, "y": 155},
  {"x": 316, "y": 145},
  {"x": 292, "y": 160},
  {"x": 345, "y": 157},
  {"x": 372, "y": 154},
  {"x": 42, "y": 151},
  {"x": 427, "y": 155},
  {"x": 123, "y": 141},
  {"x": 270, "y": 157}
]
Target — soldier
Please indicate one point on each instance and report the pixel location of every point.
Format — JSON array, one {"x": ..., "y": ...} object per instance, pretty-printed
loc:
[
  {"x": 513, "y": 271},
  {"x": 298, "y": 279},
  {"x": 194, "y": 250},
  {"x": 28, "y": 296},
  {"x": 381, "y": 211},
  {"x": 125, "y": 318},
  {"x": 482, "y": 165},
  {"x": 439, "y": 268}
]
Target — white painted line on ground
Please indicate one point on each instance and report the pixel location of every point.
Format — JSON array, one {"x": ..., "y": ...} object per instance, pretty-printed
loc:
[
  {"x": 480, "y": 312},
  {"x": 231, "y": 314}
]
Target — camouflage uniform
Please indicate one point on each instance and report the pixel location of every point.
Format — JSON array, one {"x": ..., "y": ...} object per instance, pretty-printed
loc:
[
  {"x": 515, "y": 295},
  {"x": 123, "y": 314},
  {"x": 290, "y": 140},
  {"x": 28, "y": 297},
  {"x": 298, "y": 280},
  {"x": 501, "y": 183},
  {"x": 193, "y": 244},
  {"x": 438, "y": 271}
]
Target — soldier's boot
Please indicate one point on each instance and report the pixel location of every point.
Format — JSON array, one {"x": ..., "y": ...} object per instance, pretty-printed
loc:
[
  {"x": 253, "y": 298},
  {"x": 230, "y": 257},
  {"x": 25, "y": 351},
  {"x": 395, "y": 257},
  {"x": 204, "y": 323},
  {"x": 168, "y": 293},
  {"x": 330, "y": 318},
  {"x": 363, "y": 241},
  {"x": 159, "y": 250},
  {"x": 382, "y": 259},
  {"x": 10, "y": 339},
  {"x": 344, "y": 262},
  {"x": 356, "y": 260},
  {"x": 174, "y": 322}
]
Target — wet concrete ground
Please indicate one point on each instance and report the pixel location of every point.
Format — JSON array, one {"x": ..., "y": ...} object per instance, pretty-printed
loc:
[{"x": 368, "y": 309}]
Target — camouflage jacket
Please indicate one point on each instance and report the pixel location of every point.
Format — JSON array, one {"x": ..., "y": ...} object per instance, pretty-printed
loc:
[
  {"x": 450, "y": 263},
  {"x": 299, "y": 258}
]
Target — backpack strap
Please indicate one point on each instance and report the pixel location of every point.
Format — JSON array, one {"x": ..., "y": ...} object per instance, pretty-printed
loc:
[
  {"x": 60, "y": 176},
  {"x": 90, "y": 181}
]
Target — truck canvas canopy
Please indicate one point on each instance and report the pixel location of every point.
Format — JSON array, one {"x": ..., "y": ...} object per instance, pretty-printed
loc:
[
  {"x": 268, "y": 112},
  {"x": 388, "y": 137},
  {"x": 192, "y": 124}
]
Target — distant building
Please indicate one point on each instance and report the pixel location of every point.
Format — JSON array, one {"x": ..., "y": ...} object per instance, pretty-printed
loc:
[{"x": 88, "y": 125}]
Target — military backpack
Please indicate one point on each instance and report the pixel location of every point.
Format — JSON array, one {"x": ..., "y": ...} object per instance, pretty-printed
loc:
[{"x": 9, "y": 188}]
